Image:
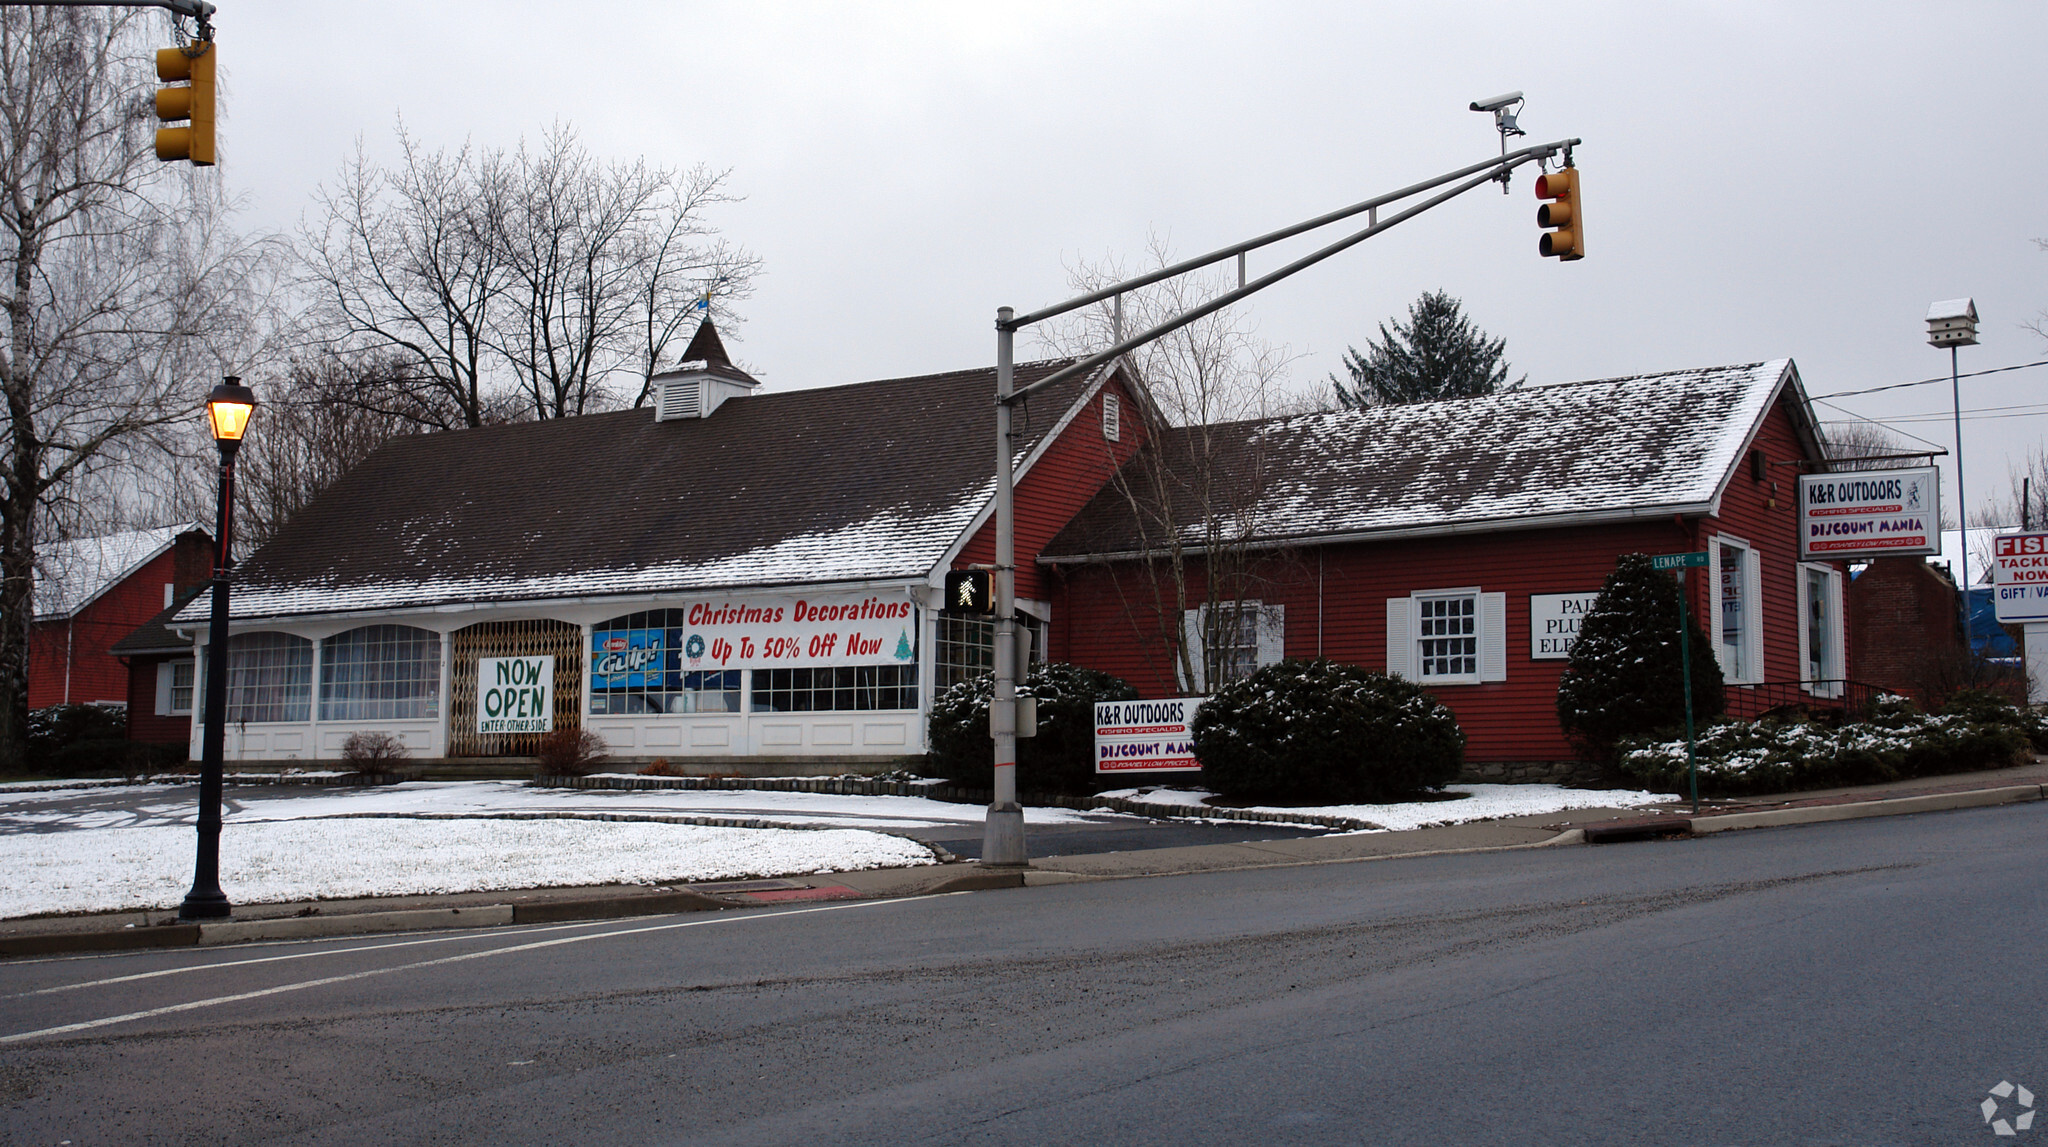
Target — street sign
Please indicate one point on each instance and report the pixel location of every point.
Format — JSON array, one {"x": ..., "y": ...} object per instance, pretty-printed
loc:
[{"x": 1678, "y": 561}]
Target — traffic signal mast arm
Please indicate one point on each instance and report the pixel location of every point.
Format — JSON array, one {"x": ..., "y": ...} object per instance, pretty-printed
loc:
[{"x": 1479, "y": 173}]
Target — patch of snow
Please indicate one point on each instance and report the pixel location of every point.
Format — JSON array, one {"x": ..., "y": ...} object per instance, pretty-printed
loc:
[{"x": 1482, "y": 802}]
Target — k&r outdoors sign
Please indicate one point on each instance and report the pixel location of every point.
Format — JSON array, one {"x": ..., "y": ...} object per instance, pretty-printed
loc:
[{"x": 1870, "y": 513}]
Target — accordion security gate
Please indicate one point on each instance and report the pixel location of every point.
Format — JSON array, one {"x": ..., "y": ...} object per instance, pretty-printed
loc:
[{"x": 512, "y": 639}]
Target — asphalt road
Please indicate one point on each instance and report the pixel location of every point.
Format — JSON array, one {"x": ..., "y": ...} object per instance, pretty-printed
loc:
[{"x": 1859, "y": 983}]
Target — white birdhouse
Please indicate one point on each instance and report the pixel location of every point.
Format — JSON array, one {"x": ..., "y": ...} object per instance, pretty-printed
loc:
[{"x": 1952, "y": 322}]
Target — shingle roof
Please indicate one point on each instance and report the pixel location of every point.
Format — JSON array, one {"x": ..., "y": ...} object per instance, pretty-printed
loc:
[
  {"x": 1618, "y": 447},
  {"x": 71, "y": 575},
  {"x": 873, "y": 480}
]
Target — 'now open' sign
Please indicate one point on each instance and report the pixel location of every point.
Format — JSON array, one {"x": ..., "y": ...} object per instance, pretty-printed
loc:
[{"x": 515, "y": 694}]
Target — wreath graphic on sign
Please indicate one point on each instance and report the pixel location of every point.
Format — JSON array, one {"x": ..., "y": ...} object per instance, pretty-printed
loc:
[{"x": 695, "y": 646}]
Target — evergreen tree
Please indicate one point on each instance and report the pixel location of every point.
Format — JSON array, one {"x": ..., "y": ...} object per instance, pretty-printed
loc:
[
  {"x": 1437, "y": 353},
  {"x": 1624, "y": 677}
]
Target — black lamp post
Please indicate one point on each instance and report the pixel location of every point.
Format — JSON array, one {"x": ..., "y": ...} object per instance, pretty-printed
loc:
[{"x": 227, "y": 413}]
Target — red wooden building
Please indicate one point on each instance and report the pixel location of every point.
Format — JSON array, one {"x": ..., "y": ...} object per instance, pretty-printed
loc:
[
  {"x": 92, "y": 592},
  {"x": 1457, "y": 543}
]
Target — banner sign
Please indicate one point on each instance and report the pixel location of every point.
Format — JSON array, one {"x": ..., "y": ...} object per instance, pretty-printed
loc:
[
  {"x": 515, "y": 694},
  {"x": 2019, "y": 576},
  {"x": 1146, "y": 736},
  {"x": 757, "y": 632},
  {"x": 1554, "y": 623},
  {"x": 1870, "y": 513}
]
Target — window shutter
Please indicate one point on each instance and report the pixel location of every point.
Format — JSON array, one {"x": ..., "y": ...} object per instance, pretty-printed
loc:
[
  {"x": 1837, "y": 660},
  {"x": 163, "y": 688},
  {"x": 1401, "y": 636},
  {"x": 1272, "y": 634},
  {"x": 1804, "y": 600},
  {"x": 1191, "y": 633},
  {"x": 1713, "y": 615},
  {"x": 1493, "y": 637},
  {"x": 1753, "y": 613}
]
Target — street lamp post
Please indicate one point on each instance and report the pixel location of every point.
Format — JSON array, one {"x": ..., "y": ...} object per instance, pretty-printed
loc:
[
  {"x": 227, "y": 415},
  {"x": 1952, "y": 323}
]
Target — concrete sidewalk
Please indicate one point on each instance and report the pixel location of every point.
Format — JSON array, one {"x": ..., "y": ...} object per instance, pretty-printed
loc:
[{"x": 114, "y": 931}]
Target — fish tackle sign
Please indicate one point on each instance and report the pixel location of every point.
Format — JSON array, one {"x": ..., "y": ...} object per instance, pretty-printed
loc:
[
  {"x": 1870, "y": 513},
  {"x": 1146, "y": 736},
  {"x": 515, "y": 694},
  {"x": 2019, "y": 577}
]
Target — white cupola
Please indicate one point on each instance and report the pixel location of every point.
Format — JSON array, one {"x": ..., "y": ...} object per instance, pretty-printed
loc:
[{"x": 703, "y": 380}]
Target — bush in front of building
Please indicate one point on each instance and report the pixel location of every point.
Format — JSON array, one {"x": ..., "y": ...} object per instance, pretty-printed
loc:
[
  {"x": 91, "y": 741},
  {"x": 1320, "y": 732},
  {"x": 1059, "y": 759},
  {"x": 373, "y": 754},
  {"x": 1624, "y": 678},
  {"x": 571, "y": 753},
  {"x": 1977, "y": 730},
  {"x": 56, "y": 726}
]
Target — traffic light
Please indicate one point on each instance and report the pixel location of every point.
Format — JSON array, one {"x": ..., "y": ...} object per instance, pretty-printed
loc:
[
  {"x": 1568, "y": 240},
  {"x": 970, "y": 591},
  {"x": 193, "y": 65}
]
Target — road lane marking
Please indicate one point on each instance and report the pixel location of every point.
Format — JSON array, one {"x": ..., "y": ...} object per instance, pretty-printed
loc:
[
  {"x": 324, "y": 981},
  {"x": 529, "y": 930}
]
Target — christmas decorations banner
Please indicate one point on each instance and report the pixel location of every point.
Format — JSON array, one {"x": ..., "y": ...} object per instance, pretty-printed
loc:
[{"x": 761, "y": 633}]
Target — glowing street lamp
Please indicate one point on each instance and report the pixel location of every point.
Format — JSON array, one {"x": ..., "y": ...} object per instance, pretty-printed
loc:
[{"x": 227, "y": 415}]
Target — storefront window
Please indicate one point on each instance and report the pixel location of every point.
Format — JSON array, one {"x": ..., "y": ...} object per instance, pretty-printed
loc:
[
  {"x": 381, "y": 673},
  {"x": 848, "y": 688},
  {"x": 270, "y": 678},
  {"x": 636, "y": 667}
]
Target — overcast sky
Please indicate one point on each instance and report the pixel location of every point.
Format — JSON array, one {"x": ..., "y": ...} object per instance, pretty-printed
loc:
[{"x": 1760, "y": 180}]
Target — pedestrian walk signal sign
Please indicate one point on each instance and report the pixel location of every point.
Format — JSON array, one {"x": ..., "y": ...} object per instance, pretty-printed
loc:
[{"x": 970, "y": 591}]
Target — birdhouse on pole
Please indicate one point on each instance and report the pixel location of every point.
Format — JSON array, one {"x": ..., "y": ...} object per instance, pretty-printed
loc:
[{"x": 1952, "y": 322}]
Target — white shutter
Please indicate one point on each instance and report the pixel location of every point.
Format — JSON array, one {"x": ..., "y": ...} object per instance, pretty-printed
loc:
[
  {"x": 1753, "y": 613},
  {"x": 1401, "y": 636},
  {"x": 1191, "y": 633},
  {"x": 1272, "y": 634},
  {"x": 1714, "y": 607},
  {"x": 1804, "y": 599},
  {"x": 1837, "y": 660},
  {"x": 1493, "y": 637},
  {"x": 163, "y": 688}
]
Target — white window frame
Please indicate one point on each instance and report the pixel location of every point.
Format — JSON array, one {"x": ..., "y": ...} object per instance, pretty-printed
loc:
[
  {"x": 1404, "y": 641},
  {"x": 166, "y": 686},
  {"x": 1750, "y": 654},
  {"x": 1828, "y": 683},
  {"x": 1270, "y": 635}
]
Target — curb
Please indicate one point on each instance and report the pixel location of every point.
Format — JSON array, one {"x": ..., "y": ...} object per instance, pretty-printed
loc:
[{"x": 1895, "y": 806}]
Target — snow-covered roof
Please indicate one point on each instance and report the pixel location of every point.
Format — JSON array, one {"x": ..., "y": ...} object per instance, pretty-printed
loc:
[
  {"x": 1646, "y": 445},
  {"x": 841, "y": 484},
  {"x": 72, "y": 575},
  {"x": 1953, "y": 309}
]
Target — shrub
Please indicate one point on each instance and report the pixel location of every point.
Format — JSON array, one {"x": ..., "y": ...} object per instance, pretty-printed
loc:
[
  {"x": 54, "y": 727},
  {"x": 108, "y": 757},
  {"x": 1059, "y": 759},
  {"x": 372, "y": 753},
  {"x": 1743, "y": 758},
  {"x": 571, "y": 753},
  {"x": 1624, "y": 678},
  {"x": 659, "y": 767},
  {"x": 1317, "y": 732}
]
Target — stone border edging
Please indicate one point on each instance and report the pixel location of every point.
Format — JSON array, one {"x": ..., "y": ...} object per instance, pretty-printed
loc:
[
  {"x": 1893, "y": 806},
  {"x": 939, "y": 790}
]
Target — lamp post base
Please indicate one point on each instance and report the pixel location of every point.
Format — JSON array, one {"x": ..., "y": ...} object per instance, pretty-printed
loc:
[
  {"x": 205, "y": 906},
  {"x": 1002, "y": 841}
]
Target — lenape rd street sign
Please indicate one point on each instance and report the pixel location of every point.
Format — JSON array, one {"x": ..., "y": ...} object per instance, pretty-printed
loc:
[{"x": 1678, "y": 561}]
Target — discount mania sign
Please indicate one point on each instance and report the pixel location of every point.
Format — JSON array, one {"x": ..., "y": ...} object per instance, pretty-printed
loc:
[
  {"x": 1869, "y": 513},
  {"x": 1146, "y": 736}
]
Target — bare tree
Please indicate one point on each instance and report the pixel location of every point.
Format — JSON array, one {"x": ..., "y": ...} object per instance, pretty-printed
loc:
[
  {"x": 1193, "y": 493},
  {"x": 123, "y": 291},
  {"x": 518, "y": 284},
  {"x": 315, "y": 428}
]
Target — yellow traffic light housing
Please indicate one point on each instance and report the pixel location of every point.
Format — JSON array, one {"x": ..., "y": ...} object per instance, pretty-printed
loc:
[
  {"x": 970, "y": 592},
  {"x": 193, "y": 66},
  {"x": 1567, "y": 239}
]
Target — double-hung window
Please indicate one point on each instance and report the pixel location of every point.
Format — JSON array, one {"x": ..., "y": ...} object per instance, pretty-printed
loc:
[
  {"x": 1735, "y": 622},
  {"x": 1228, "y": 640},
  {"x": 1820, "y": 630},
  {"x": 174, "y": 681},
  {"x": 1448, "y": 636}
]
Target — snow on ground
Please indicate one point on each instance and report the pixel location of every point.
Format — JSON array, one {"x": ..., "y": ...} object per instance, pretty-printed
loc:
[
  {"x": 103, "y": 869},
  {"x": 1482, "y": 802}
]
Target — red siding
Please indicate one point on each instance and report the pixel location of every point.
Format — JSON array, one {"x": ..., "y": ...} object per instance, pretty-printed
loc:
[
  {"x": 1058, "y": 484},
  {"x": 1336, "y": 596},
  {"x": 143, "y": 722},
  {"x": 68, "y": 659}
]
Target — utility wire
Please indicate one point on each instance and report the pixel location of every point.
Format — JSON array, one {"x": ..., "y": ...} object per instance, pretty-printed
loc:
[{"x": 1925, "y": 381}]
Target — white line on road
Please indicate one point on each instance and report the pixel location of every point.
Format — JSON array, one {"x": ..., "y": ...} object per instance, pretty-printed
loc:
[{"x": 194, "y": 1005}]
